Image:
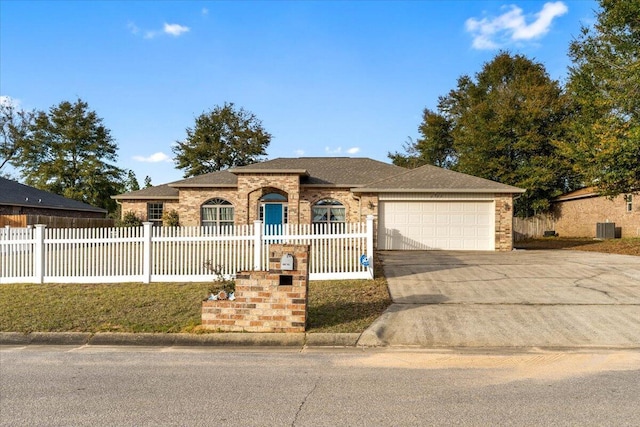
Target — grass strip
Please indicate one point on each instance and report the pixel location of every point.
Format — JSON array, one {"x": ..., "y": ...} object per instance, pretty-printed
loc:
[{"x": 334, "y": 306}]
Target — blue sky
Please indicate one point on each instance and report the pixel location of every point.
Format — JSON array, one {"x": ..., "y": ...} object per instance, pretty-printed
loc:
[{"x": 327, "y": 78}]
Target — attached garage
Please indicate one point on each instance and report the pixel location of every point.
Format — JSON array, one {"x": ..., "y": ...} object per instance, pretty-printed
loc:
[
  {"x": 446, "y": 225},
  {"x": 430, "y": 208}
]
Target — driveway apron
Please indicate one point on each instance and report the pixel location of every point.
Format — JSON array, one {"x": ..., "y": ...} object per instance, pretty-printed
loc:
[{"x": 560, "y": 299}]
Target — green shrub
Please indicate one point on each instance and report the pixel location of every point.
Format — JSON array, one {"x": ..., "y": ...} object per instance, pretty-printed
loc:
[
  {"x": 129, "y": 219},
  {"x": 171, "y": 219}
]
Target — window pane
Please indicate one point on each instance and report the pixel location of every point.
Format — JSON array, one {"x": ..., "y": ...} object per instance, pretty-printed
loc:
[
  {"x": 319, "y": 214},
  {"x": 226, "y": 214},
  {"x": 337, "y": 214},
  {"x": 209, "y": 214}
]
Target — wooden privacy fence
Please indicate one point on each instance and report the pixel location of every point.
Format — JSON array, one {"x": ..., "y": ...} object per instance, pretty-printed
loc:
[
  {"x": 168, "y": 254},
  {"x": 532, "y": 227},
  {"x": 54, "y": 221}
]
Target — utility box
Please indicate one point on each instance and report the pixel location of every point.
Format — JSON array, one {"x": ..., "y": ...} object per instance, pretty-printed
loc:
[{"x": 606, "y": 230}]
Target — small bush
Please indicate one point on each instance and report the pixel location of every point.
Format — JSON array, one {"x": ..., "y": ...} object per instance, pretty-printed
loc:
[
  {"x": 129, "y": 219},
  {"x": 171, "y": 219}
]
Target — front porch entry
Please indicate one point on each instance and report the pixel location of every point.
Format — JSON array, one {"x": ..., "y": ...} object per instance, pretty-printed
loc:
[{"x": 273, "y": 210}]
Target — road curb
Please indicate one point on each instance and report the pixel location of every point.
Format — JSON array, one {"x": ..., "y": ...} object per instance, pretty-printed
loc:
[{"x": 185, "y": 340}]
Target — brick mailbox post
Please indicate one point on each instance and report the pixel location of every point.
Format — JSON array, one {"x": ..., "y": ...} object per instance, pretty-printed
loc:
[{"x": 266, "y": 301}]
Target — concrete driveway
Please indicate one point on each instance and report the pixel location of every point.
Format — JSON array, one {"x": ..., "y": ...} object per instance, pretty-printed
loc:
[{"x": 515, "y": 299}]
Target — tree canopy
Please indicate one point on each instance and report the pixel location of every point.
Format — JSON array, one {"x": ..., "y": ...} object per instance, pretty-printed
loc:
[
  {"x": 223, "y": 138},
  {"x": 604, "y": 84},
  {"x": 15, "y": 126},
  {"x": 68, "y": 152},
  {"x": 502, "y": 125}
]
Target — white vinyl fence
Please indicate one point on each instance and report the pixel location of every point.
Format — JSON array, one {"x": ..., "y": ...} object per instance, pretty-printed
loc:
[{"x": 168, "y": 254}]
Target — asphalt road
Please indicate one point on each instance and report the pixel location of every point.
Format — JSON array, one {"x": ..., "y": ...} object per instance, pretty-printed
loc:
[{"x": 150, "y": 386}]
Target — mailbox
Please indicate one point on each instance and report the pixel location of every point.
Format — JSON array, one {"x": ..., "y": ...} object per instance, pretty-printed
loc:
[{"x": 286, "y": 262}]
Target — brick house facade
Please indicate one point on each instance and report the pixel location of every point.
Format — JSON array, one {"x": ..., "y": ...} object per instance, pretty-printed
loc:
[
  {"x": 306, "y": 188},
  {"x": 577, "y": 213}
]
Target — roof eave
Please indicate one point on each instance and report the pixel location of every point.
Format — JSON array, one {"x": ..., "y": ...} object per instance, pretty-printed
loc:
[
  {"x": 438, "y": 190},
  {"x": 202, "y": 185},
  {"x": 60, "y": 208},
  {"x": 276, "y": 171},
  {"x": 145, "y": 197}
]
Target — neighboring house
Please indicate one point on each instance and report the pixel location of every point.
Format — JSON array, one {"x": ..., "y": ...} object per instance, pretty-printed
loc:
[
  {"x": 19, "y": 199},
  {"x": 423, "y": 208},
  {"x": 577, "y": 213}
]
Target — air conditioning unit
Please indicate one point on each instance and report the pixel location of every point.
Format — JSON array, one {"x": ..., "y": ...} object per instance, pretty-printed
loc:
[{"x": 606, "y": 230}]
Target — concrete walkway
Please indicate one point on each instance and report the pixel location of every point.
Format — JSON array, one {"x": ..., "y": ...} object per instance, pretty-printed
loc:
[{"x": 518, "y": 299}]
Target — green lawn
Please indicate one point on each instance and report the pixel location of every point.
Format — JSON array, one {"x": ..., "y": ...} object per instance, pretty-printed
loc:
[{"x": 334, "y": 306}]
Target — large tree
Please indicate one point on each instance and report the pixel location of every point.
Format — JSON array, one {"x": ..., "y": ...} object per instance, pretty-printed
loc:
[
  {"x": 604, "y": 83},
  {"x": 433, "y": 147},
  {"x": 69, "y": 152},
  {"x": 222, "y": 138},
  {"x": 503, "y": 125},
  {"x": 15, "y": 126}
]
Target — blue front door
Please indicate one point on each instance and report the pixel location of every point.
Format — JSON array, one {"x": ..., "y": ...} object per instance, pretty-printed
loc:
[{"x": 273, "y": 217}]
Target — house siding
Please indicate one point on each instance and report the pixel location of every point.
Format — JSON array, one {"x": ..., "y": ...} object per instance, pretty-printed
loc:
[{"x": 578, "y": 217}]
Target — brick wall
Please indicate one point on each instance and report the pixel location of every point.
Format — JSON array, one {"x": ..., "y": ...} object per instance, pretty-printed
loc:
[
  {"x": 578, "y": 217},
  {"x": 504, "y": 222},
  {"x": 262, "y": 303}
]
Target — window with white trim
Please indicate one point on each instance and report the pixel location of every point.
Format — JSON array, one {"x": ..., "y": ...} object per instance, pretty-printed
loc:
[
  {"x": 629, "y": 199},
  {"x": 328, "y": 215},
  {"x": 217, "y": 213},
  {"x": 154, "y": 213}
]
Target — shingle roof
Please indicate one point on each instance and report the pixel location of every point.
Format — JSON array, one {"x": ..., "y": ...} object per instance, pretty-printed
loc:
[
  {"x": 13, "y": 193},
  {"x": 332, "y": 171},
  {"x": 359, "y": 174},
  {"x": 430, "y": 178},
  {"x": 158, "y": 192},
  {"x": 213, "y": 179},
  {"x": 582, "y": 193}
]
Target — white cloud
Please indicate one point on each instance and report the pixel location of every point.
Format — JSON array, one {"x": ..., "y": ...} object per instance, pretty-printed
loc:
[
  {"x": 353, "y": 150},
  {"x": 336, "y": 150},
  {"x": 175, "y": 29},
  {"x": 299, "y": 153},
  {"x": 205, "y": 11},
  {"x": 133, "y": 28},
  {"x": 492, "y": 32},
  {"x": 154, "y": 158},
  {"x": 150, "y": 34},
  {"x": 9, "y": 101}
]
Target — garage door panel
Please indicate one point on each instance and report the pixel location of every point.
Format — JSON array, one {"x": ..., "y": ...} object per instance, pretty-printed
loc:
[{"x": 450, "y": 225}]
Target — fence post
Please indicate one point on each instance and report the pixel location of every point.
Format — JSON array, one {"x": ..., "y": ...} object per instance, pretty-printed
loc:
[
  {"x": 38, "y": 253},
  {"x": 146, "y": 252},
  {"x": 257, "y": 245},
  {"x": 370, "y": 244}
]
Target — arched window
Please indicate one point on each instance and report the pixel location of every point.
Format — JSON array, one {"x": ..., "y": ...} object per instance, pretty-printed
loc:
[
  {"x": 217, "y": 213},
  {"x": 328, "y": 215}
]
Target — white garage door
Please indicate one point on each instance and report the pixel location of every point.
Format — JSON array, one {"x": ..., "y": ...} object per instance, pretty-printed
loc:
[{"x": 448, "y": 225}]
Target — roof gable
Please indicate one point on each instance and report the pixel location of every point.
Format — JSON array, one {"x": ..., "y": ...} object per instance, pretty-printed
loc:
[
  {"x": 13, "y": 193},
  {"x": 329, "y": 171}
]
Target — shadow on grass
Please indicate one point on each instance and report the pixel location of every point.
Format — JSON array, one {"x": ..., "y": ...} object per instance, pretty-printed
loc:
[
  {"x": 344, "y": 316},
  {"x": 554, "y": 243}
]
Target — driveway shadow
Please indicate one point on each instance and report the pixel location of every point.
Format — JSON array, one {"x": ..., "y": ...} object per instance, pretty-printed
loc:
[{"x": 407, "y": 263}]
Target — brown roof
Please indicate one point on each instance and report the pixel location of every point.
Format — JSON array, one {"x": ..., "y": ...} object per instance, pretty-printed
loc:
[
  {"x": 359, "y": 174},
  {"x": 434, "y": 179},
  {"x": 158, "y": 192},
  {"x": 212, "y": 179},
  {"x": 13, "y": 193},
  {"x": 582, "y": 193},
  {"x": 327, "y": 171}
]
